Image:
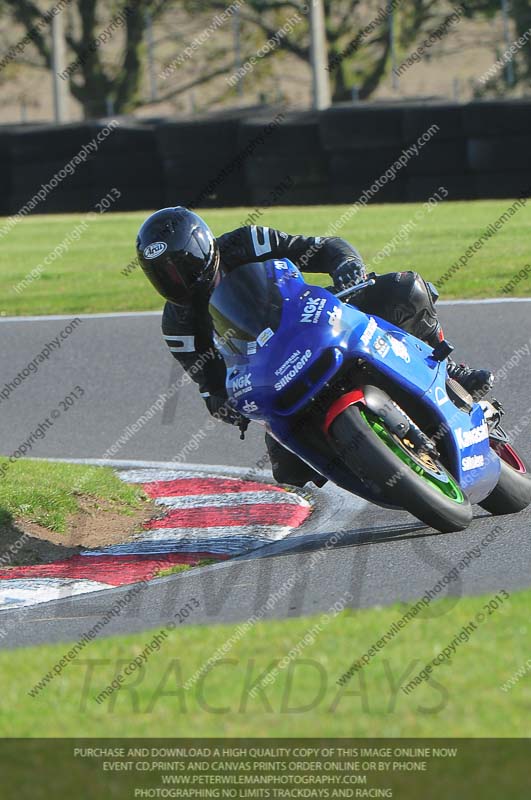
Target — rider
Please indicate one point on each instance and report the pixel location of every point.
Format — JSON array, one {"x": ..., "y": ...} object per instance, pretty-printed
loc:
[{"x": 184, "y": 262}]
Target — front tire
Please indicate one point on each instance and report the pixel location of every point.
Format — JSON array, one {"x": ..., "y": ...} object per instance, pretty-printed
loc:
[
  {"x": 378, "y": 458},
  {"x": 513, "y": 490}
]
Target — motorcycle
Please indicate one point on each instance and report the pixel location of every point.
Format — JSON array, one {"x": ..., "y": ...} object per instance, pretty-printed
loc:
[{"x": 367, "y": 405}]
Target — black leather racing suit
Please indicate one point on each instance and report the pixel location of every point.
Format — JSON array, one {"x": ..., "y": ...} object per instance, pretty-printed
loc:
[{"x": 402, "y": 298}]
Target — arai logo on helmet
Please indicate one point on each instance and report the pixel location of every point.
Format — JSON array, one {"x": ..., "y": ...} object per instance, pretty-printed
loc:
[{"x": 155, "y": 249}]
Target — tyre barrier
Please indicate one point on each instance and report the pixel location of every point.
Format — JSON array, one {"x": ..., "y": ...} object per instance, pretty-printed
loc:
[
  {"x": 447, "y": 117},
  {"x": 497, "y": 154},
  {"x": 496, "y": 118},
  {"x": 352, "y": 126},
  {"x": 74, "y": 166},
  {"x": 238, "y": 157},
  {"x": 270, "y": 171},
  {"x": 297, "y": 134}
]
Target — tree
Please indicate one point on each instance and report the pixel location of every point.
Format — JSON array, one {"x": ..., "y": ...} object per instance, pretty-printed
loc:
[
  {"x": 95, "y": 83},
  {"x": 357, "y": 32},
  {"x": 520, "y": 12},
  {"x": 270, "y": 17}
]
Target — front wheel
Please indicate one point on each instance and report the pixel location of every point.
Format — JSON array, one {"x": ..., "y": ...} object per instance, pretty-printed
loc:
[
  {"x": 402, "y": 477},
  {"x": 513, "y": 490}
]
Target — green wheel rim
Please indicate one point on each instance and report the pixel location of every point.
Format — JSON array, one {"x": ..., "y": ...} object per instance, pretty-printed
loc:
[{"x": 441, "y": 481}]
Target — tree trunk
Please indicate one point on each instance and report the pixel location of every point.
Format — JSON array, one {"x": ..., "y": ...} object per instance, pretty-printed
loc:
[
  {"x": 98, "y": 93},
  {"x": 375, "y": 75},
  {"x": 522, "y": 18},
  {"x": 129, "y": 82}
]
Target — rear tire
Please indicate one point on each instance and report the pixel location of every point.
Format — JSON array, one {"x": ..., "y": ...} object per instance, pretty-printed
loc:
[
  {"x": 370, "y": 458},
  {"x": 513, "y": 490}
]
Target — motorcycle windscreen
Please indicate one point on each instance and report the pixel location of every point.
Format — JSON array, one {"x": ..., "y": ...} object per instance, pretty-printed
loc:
[{"x": 246, "y": 302}]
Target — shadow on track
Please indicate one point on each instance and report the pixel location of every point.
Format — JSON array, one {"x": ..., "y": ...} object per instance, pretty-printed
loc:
[{"x": 357, "y": 537}]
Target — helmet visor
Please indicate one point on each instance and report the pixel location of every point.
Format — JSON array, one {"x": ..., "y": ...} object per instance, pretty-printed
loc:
[
  {"x": 174, "y": 277},
  {"x": 179, "y": 275}
]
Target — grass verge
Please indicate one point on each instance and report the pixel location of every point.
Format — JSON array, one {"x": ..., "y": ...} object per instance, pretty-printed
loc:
[
  {"x": 462, "y": 698},
  {"x": 47, "y": 493},
  {"x": 88, "y": 276}
]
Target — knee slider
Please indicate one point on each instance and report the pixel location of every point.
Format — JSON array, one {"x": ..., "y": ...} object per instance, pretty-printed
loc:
[
  {"x": 425, "y": 324},
  {"x": 414, "y": 308},
  {"x": 421, "y": 298}
]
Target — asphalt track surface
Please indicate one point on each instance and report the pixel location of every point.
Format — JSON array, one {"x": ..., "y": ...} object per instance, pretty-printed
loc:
[{"x": 379, "y": 556}]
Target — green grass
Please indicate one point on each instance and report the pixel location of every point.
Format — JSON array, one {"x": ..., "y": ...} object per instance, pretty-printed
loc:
[
  {"x": 47, "y": 493},
  {"x": 87, "y": 278},
  {"x": 205, "y": 562},
  {"x": 464, "y": 698},
  {"x": 163, "y": 573}
]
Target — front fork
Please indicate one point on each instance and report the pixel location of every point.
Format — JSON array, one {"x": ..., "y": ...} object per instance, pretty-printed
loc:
[{"x": 394, "y": 418}]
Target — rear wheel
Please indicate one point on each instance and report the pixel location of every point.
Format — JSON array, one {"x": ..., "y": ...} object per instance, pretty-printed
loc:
[
  {"x": 513, "y": 490},
  {"x": 402, "y": 476}
]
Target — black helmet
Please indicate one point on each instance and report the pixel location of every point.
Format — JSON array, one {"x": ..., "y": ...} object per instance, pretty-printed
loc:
[{"x": 178, "y": 253}]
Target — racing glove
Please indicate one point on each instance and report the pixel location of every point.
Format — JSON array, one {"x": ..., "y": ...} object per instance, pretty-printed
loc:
[
  {"x": 220, "y": 408},
  {"x": 349, "y": 273}
]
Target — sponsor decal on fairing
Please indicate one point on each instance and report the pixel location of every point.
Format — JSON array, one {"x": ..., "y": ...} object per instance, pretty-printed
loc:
[
  {"x": 289, "y": 361},
  {"x": 399, "y": 349},
  {"x": 249, "y": 406},
  {"x": 472, "y": 462},
  {"x": 242, "y": 384},
  {"x": 382, "y": 346},
  {"x": 369, "y": 332},
  {"x": 335, "y": 315},
  {"x": 440, "y": 396},
  {"x": 475, "y": 436},
  {"x": 264, "y": 337},
  {"x": 313, "y": 309},
  {"x": 294, "y": 371}
]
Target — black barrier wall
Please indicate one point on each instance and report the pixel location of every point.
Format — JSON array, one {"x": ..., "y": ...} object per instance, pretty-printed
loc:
[{"x": 259, "y": 156}]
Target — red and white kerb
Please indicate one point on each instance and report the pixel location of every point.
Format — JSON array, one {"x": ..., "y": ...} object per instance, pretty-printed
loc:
[{"x": 200, "y": 517}]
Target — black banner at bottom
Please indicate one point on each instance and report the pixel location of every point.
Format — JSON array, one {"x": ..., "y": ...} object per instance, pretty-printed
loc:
[{"x": 490, "y": 769}]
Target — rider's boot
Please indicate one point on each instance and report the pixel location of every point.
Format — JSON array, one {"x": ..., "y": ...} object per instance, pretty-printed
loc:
[
  {"x": 407, "y": 300},
  {"x": 477, "y": 382}
]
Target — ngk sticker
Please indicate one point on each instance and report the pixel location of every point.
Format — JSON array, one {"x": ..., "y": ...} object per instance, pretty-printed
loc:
[
  {"x": 313, "y": 309},
  {"x": 295, "y": 369},
  {"x": 242, "y": 384}
]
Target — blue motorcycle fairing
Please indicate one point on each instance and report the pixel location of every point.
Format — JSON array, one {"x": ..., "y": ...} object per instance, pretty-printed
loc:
[{"x": 278, "y": 369}]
